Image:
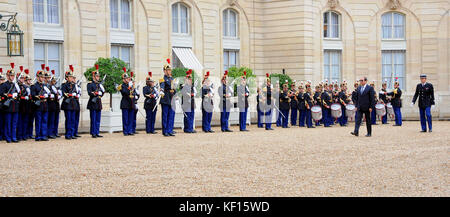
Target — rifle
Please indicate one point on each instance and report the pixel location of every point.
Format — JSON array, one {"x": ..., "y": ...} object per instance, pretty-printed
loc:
[
  {"x": 94, "y": 100},
  {"x": 13, "y": 85}
]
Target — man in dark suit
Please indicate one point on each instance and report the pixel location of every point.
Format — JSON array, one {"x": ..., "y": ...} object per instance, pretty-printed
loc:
[
  {"x": 425, "y": 93},
  {"x": 364, "y": 101}
]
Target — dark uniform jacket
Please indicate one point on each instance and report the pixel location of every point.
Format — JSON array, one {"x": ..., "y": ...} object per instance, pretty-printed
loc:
[
  {"x": 69, "y": 102},
  {"x": 166, "y": 85},
  {"x": 53, "y": 104},
  {"x": 284, "y": 101},
  {"x": 150, "y": 94},
  {"x": 25, "y": 106},
  {"x": 294, "y": 103},
  {"x": 354, "y": 96},
  {"x": 222, "y": 93},
  {"x": 343, "y": 97},
  {"x": 396, "y": 98},
  {"x": 382, "y": 96},
  {"x": 308, "y": 101},
  {"x": 301, "y": 101},
  {"x": 127, "y": 101},
  {"x": 317, "y": 99},
  {"x": 95, "y": 101},
  {"x": 8, "y": 96},
  {"x": 366, "y": 100},
  {"x": 425, "y": 93},
  {"x": 326, "y": 99},
  {"x": 37, "y": 92},
  {"x": 243, "y": 95},
  {"x": 205, "y": 99}
]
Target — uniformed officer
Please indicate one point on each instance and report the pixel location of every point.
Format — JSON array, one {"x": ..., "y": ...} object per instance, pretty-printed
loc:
[
  {"x": 343, "y": 100},
  {"x": 10, "y": 90},
  {"x": 425, "y": 93},
  {"x": 188, "y": 103},
  {"x": 95, "y": 91},
  {"x": 259, "y": 103},
  {"x": 396, "y": 102},
  {"x": 294, "y": 104},
  {"x": 308, "y": 98},
  {"x": 225, "y": 92},
  {"x": 136, "y": 95},
  {"x": 285, "y": 99},
  {"x": 277, "y": 93},
  {"x": 267, "y": 103},
  {"x": 53, "y": 104},
  {"x": 317, "y": 100},
  {"x": 56, "y": 96},
  {"x": 207, "y": 104},
  {"x": 243, "y": 94},
  {"x": 31, "y": 110},
  {"x": 301, "y": 104},
  {"x": 77, "y": 106},
  {"x": 40, "y": 96},
  {"x": 151, "y": 95},
  {"x": 69, "y": 104},
  {"x": 168, "y": 91},
  {"x": 127, "y": 103},
  {"x": 2, "y": 99},
  {"x": 326, "y": 105},
  {"x": 384, "y": 99},
  {"x": 24, "y": 106}
]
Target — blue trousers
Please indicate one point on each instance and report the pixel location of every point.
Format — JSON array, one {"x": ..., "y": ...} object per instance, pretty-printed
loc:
[
  {"x": 206, "y": 120},
  {"x": 425, "y": 116},
  {"x": 308, "y": 118},
  {"x": 301, "y": 121},
  {"x": 268, "y": 120},
  {"x": 260, "y": 117},
  {"x": 398, "y": 115},
  {"x": 168, "y": 116},
  {"x": 77, "y": 123},
  {"x": 2, "y": 125},
  {"x": 150, "y": 120},
  {"x": 224, "y": 117},
  {"x": 243, "y": 119},
  {"x": 22, "y": 126},
  {"x": 29, "y": 132},
  {"x": 50, "y": 124},
  {"x": 373, "y": 116},
  {"x": 284, "y": 119},
  {"x": 327, "y": 120},
  {"x": 343, "y": 119},
  {"x": 69, "y": 123},
  {"x": 294, "y": 116},
  {"x": 41, "y": 121},
  {"x": 189, "y": 121},
  {"x": 134, "y": 122},
  {"x": 279, "y": 121},
  {"x": 384, "y": 118},
  {"x": 55, "y": 124},
  {"x": 11, "y": 121},
  {"x": 95, "y": 121},
  {"x": 127, "y": 120}
]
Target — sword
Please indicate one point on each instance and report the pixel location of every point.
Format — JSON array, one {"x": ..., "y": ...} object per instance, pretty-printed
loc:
[{"x": 279, "y": 110}]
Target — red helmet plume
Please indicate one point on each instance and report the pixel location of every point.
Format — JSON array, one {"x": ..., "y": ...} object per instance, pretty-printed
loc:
[
  {"x": 47, "y": 68},
  {"x": 71, "y": 68},
  {"x": 1, "y": 70},
  {"x": 245, "y": 73},
  {"x": 150, "y": 74},
  {"x": 226, "y": 72},
  {"x": 12, "y": 65},
  {"x": 21, "y": 68},
  {"x": 124, "y": 69},
  {"x": 132, "y": 74},
  {"x": 27, "y": 71},
  {"x": 96, "y": 66},
  {"x": 207, "y": 74},
  {"x": 168, "y": 61},
  {"x": 42, "y": 66},
  {"x": 53, "y": 72}
]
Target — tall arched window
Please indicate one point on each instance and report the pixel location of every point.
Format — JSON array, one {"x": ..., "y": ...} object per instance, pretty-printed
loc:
[
  {"x": 180, "y": 18},
  {"x": 331, "y": 26},
  {"x": 230, "y": 24},
  {"x": 393, "y": 25}
]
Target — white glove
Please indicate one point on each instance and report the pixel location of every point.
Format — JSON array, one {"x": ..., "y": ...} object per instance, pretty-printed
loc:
[
  {"x": 137, "y": 92},
  {"x": 17, "y": 87},
  {"x": 54, "y": 89},
  {"x": 46, "y": 96},
  {"x": 77, "y": 89},
  {"x": 14, "y": 95},
  {"x": 74, "y": 94},
  {"x": 28, "y": 91},
  {"x": 78, "y": 95},
  {"x": 412, "y": 104},
  {"x": 102, "y": 88},
  {"x": 46, "y": 90},
  {"x": 130, "y": 84},
  {"x": 100, "y": 93},
  {"x": 136, "y": 97},
  {"x": 27, "y": 98},
  {"x": 432, "y": 106},
  {"x": 52, "y": 96},
  {"x": 60, "y": 92}
]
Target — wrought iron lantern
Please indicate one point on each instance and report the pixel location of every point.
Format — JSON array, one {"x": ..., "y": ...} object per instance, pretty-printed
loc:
[{"x": 14, "y": 36}]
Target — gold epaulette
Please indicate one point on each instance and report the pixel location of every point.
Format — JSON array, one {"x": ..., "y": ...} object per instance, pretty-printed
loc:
[
  {"x": 161, "y": 80},
  {"x": 119, "y": 88}
]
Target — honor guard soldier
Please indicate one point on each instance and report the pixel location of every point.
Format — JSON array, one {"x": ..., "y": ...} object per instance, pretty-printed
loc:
[
  {"x": 294, "y": 104},
  {"x": 384, "y": 99},
  {"x": 343, "y": 100},
  {"x": 77, "y": 106},
  {"x": 277, "y": 93},
  {"x": 24, "y": 106},
  {"x": 309, "y": 103},
  {"x": 188, "y": 103},
  {"x": 301, "y": 105},
  {"x": 373, "y": 115},
  {"x": 167, "y": 93},
  {"x": 31, "y": 108},
  {"x": 396, "y": 102},
  {"x": 127, "y": 103},
  {"x": 425, "y": 94},
  {"x": 150, "y": 104},
  {"x": 225, "y": 92},
  {"x": 267, "y": 102},
  {"x": 317, "y": 100},
  {"x": 53, "y": 107},
  {"x": 243, "y": 94},
  {"x": 259, "y": 103},
  {"x": 207, "y": 104},
  {"x": 69, "y": 103},
  {"x": 10, "y": 91},
  {"x": 326, "y": 105},
  {"x": 40, "y": 97},
  {"x": 2, "y": 99},
  {"x": 285, "y": 99},
  {"x": 95, "y": 91},
  {"x": 136, "y": 95}
]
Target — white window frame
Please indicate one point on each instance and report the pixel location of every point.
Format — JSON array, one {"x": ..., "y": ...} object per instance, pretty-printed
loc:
[
  {"x": 330, "y": 66},
  {"x": 45, "y": 60},
  {"x": 119, "y": 16},
  {"x": 45, "y": 3},
  {"x": 228, "y": 63},
  {"x": 391, "y": 37},
  {"x": 188, "y": 19},
  {"x": 227, "y": 34},
  {"x": 328, "y": 13},
  {"x": 120, "y": 46},
  {"x": 393, "y": 68}
]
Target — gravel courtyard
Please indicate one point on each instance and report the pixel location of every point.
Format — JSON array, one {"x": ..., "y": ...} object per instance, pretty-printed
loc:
[{"x": 284, "y": 162}]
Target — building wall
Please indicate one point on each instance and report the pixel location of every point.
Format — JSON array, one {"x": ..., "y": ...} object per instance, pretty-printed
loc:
[{"x": 274, "y": 35}]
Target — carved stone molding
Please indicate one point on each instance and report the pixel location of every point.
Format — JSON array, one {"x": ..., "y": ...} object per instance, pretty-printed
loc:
[
  {"x": 394, "y": 4},
  {"x": 333, "y": 3}
]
